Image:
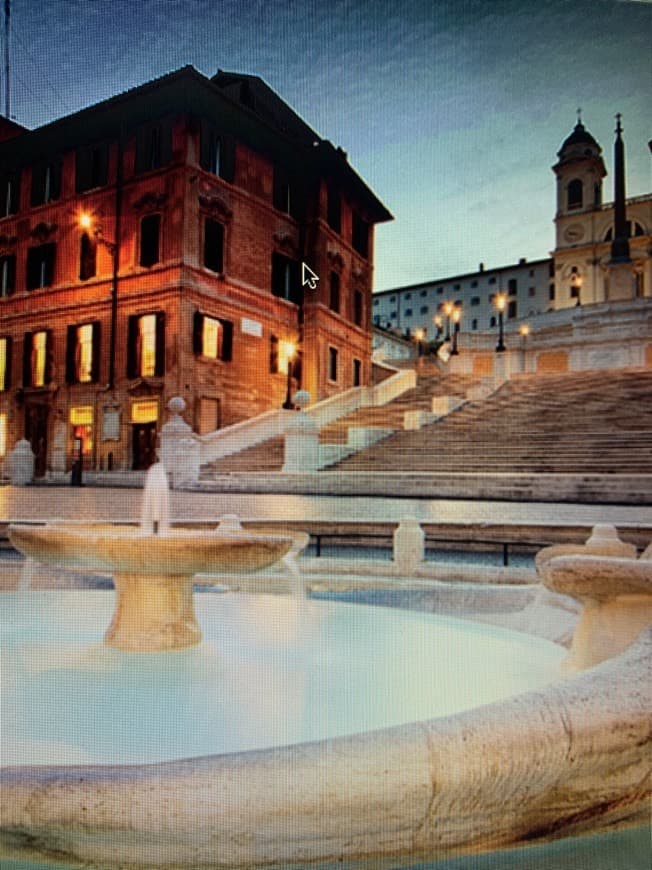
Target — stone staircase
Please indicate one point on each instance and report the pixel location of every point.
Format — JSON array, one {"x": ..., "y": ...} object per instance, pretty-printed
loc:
[{"x": 579, "y": 423}]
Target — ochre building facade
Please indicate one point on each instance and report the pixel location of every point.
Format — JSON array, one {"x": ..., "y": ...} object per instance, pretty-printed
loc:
[{"x": 156, "y": 245}]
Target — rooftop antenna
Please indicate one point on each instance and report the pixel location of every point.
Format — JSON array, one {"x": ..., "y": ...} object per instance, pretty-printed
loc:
[{"x": 7, "y": 88}]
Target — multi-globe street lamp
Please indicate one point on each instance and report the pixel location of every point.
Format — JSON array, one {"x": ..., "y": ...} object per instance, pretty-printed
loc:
[
  {"x": 448, "y": 310},
  {"x": 500, "y": 301},
  {"x": 457, "y": 316}
]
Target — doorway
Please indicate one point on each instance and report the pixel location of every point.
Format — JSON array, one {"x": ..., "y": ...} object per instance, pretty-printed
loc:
[
  {"x": 143, "y": 445},
  {"x": 36, "y": 432}
]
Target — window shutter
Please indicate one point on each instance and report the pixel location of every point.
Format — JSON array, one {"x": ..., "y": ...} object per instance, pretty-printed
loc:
[
  {"x": 159, "y": 366},
  {"x": 27, "y": 360},
  {"x": 49, "y": 357},
  {"x": 71, "y": 346},
  {"x": 197, "y": 330},
  {"x": 227, "y": 340},
  {"x": 95, "y": 364},
  {"x": 132, "y": 346}
]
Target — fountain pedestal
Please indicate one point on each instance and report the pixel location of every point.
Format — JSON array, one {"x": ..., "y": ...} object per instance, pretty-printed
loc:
[{"x": 153, "y": 613}]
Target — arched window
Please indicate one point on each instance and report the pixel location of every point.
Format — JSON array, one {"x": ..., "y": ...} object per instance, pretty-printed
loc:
[
  {"x": 633, "y": 228},
  {"x": 87, "y": 250},
  {"x": 575, "y": 194}
]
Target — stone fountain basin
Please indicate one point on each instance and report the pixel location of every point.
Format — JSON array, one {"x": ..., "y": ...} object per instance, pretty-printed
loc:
[{"x": 125, "y": 549}]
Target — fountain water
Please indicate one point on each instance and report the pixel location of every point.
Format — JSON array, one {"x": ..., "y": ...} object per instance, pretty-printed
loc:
[
  {"x": 155, "y": 510},
  {"x": 549, "y": 761}
]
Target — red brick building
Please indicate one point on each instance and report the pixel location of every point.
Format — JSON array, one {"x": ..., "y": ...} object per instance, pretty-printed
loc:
[{"x": 151, "y": 246}]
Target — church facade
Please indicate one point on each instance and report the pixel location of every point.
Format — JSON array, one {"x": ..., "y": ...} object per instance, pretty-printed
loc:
[{"x": 156, "y": 245}]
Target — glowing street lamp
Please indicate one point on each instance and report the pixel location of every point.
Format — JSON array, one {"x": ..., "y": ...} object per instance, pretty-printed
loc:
[
  {"x": 457, "y": 316},
  {"x": 500, "y": 301},
  {"x": 439, "y": 325},
  {"x": 448, "y": 310},
  {"x": 419, "y": 336}
]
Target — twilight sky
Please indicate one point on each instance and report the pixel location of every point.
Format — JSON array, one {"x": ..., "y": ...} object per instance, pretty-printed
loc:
[{"x": 451, "y": 110}]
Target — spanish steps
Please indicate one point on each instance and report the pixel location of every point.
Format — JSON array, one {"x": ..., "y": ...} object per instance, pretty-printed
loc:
[{"x": 597, "y": 422}]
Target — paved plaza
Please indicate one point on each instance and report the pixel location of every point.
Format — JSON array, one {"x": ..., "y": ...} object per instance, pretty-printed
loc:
[{"x": 87, "y": 503}]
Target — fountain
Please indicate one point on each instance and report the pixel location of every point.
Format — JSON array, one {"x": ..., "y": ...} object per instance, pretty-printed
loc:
[
  {"x": 152, "y": 566},
  {"x": 387, "y": 790}
]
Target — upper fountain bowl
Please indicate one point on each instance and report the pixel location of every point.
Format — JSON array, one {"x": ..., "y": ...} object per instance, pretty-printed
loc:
[{"x": 121, "y": 548}]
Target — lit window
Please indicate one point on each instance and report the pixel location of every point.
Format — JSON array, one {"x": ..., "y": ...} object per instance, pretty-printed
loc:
[
  {"x": 38, "y": 358},
  {"x": 82, "y": 353},
  {"x": 212, "y": 337},
  {"x": 85, "y": 349},
  {"x": 286, "y": 351},
  {"x": 3, "y": 434},
  {"x": 147, "y": 339},
  {"x": 5, "y": 363}
]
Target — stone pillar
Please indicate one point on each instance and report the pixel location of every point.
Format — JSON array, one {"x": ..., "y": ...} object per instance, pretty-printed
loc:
[
  {"x": 409, "y": 545},
  {"x": 180, "y": 448},
  {"x": 21, "y": 463},
  {"x": 301, "y": 438}
]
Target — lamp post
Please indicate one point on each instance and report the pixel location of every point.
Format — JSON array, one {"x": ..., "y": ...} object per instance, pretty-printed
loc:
[
  {"x": 439, "y": 324},
  {"x": 457, "y": 316},
  {"x": 290, "y": 353},
  {"x": 500, "y": 301},
  {"x": 87, "y": 222},
  {"x": 448, "y": 310},
  {"x": 524, "y": 331}
]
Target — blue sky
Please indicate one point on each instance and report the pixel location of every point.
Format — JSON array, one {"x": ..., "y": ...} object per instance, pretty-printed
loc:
[{"x": 451, "y": 110}]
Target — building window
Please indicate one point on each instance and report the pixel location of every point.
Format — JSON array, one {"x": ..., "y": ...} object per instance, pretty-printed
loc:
[
  {"x": 551, "y": 292},
  {"x": 92, "y": 167},
  {"x": 153, "y": 147},
  {"x": 46, "y": 182},
  {"x": 512, "y": 286},
  {"x": 5, "y": 364},
  {"x": 212, "y": 337},
  {"x": 9, "y": 193},
  {"x": 439, "y": 291},
  {"x": 40, "y": 266},
  {"x": 3, "y": 435},
  {"x": 375, "y": 303},
  {"x": 492, "y": 322},
  {"x": 37, "y": 357},
  {"x": 511, "y": 310},
  {"x": 423, "y": 294},
  {"x": 285, "y": 278},
  {"x": 83, "y": 353},
  {"x": 332, "y": 364},
  {"x": 393, "y": 315},
  {"x": 575, "y": 194},
  {"x": 87, "y": 258},
  {"x": 360, "y": 235},
  {"x": 150, "y": 231},
  {"x": 474, "y": 283},
  {"x": 7, "y": 275},
  {"x": 334, "y": 209},
  {"x": 213, "y": 245},
  {"x": 146, "y": 345},
  {"x": 423, "y": 309},
  {"x": 357, "y": 372},
  {"x": 492, "y": 280},
  {"x": 284, "y": 196},
  {"x": 273, "y": 355},
  {"x": 551, "y": 269},
  {"x": 475, "y": 300},
  {"x": 358, "y": 307},
  {"x": 216, "y": 152},
  {"x": 407, "y": 296},
  {"x": 531, "y": 291},
  {"x": 334, "y": 292},
  {"x": 456, "y": 287},
  {"x": 474, "y": 323}
]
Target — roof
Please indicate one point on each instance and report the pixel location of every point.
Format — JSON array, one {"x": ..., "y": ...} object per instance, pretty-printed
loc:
[
  {"x": 579, "y": 136},
  {"x": 243, "y": 105}
]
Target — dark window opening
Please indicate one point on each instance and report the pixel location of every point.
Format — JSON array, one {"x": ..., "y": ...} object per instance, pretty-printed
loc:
[
  {"x": 512, "y": 286},
  {"x": 87, "y": 258},
  {"x": 7, "y": 275},
  {"x": 285, "y": 278},
  {"x": 213, "y": 245},
  {"x": 153, "y": 147},
  {"x": 360, "y": 235},
  {"x": 551, "y": 292},
  {"x": 334, "y": 210},
  {"x": 332, "y": 364},
  {"x": 40, "y": 266},
  {"x": 216, "y": 152},
  {"x": 575, "y": 194},
  {"x": 285, "y": 194},
  {"x": 357, "y": 372},
  {"x": 46, "y": 182},
  {"x": 9, "y": 193},
  {"x": 273, "y": 355},
  {"x": 92, "y": 167},
  {"x": 511, "y": 310},
  {"x": 358, "y": 307},
  {"x": 150, "y": 227}
]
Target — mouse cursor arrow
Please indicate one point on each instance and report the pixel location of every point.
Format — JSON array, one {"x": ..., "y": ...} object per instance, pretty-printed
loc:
[{"x": 308, "y": 277}]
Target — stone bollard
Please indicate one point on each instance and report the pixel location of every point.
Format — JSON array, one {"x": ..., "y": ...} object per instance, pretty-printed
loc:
[
  {"x": 409, "y": 545},
  {"x": 301, "y": 438},
  {"x": 21, "y": 463},
  {"x": 180, "y": 449}
]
